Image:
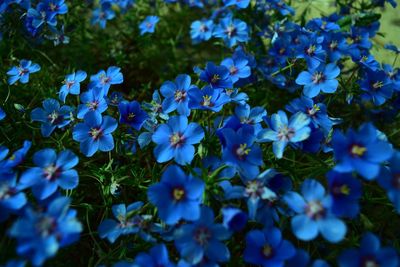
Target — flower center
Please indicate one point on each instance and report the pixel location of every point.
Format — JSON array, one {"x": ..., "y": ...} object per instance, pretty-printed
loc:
[
  {"x": 377, "y": 85},
  {"x": 54, "y": 117},
  {"x": 202, "y": 236},
  {"x": 6, "y": 191},
  {"x": 176, "y": 140},
  {"x": 45, "y": 226},
  {"x": 95, "y": 133},
  {"x": 285, "y": 133},
  {"x": 180, "y": 95},
  {"x": 333, "y": 45},
  {"x": 131, "y": 116},
  {"x": 230, "y": 30},
  {"x": 51, "y": 172},
  {"x": 203, "y": 28},
  {"x": 340, "y": 190},
  {"x": 311, "y": 50},
  {"x": 104, "y": 79},
  {"x": 233, "y": 70},
  {"x": 206, "y": 101},
  {"x": 149, "y": 25},
  {"x": 357, "y": 151},
  {"x": 312, "y": 111},
  {"x": 93, "y": 105},
  {"x": 318, "y": 77},
  {"x": 22, "y": 71},
  {"x": 215, "y": 78},
  {"x": 178, "y": 193},
  {"x": 267, "y": 251},
  {"x": 315, "y": 210},
  {"x": 242, "y": 151}
]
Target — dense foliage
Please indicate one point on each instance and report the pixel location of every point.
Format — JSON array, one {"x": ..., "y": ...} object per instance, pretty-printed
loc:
[{"x": 198, "y": 133}]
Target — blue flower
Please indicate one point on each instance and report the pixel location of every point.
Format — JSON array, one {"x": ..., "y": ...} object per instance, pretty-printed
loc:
[
  {"x": 201, "y": 30},
  {"x": 207, "y": 98},
  {"x": 238, "y": 3},
  {"x": 53, "y": 171},
  {"x": 370, "y": 253},
  {"x": 175, "y": 139},
  {"x": 40, "y": 234},
  {"x": 126, "y": 223},
  {"x": 93, "y": 100},
  {"x": 360, "y": 151},
  {"x": 95, "y": 133},
  {"x": 132, "y": 114},
  {"x": 2, "y": 114},
  {"x": 14, "y": 159},
  {"x": 238, "y": 68},
  {"x": 202, "y": 239},
  {"x": 267, "y": 248},
  {"x": 12, "y": 198},
  {"x": 175, "y": 94},
  {"x": 158, "y": 256},
  {"x": 105, "y": 79},
  {"x": 102, "y": 14},
  {"x": 232, "y": 31},
  {"x": 283, "y": 132},
  {"x": 22, "y": 71},
  {"x": 234, "y": 219},
  {"x": 377, "y": 86},
  {"x": 52, "y": 116},
  {"x": 240, "y": 151},
  {"x": 313, "y": 213},
  {"x": 217, "y": 76},
  {"x": 322, "y": 78},
  {"x": 311, "y": 50},
  {"x": 389, "y": 179},
  {"x": 346, "y": 192},
  {"x": 316, "y": 112},
  {"x": 148, "y": 24},
  {"x": 72, "y": 84},
  {"x": 177, "y": 196}
]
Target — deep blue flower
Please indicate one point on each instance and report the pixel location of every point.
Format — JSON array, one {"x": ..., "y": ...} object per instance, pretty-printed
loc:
[
  {"x": 177, "y": 196},
  {"x": 313, "y": 213},
  {"x": 234, "y": 219},
  {"x": 22, "y": 71},
  {"x": 232, "y": 31},
  {"x": 202, "y": 239},
  {"x": 284, "y": 131},
  {"x": 132, "y": 114},
  {"x": 267, "y": 248},
  {"x": 105, "y": 79},
  {"x": 175, "y": 94},
  {"x": 126, "y": 223},
  {"x": 54, "y": 7},
  {"x": 316, "y": 112},
  {"x": 217, "y": 76},
  {"x": 72, "y": 84},
  {"x": 92, "y": 100},
  {"x": 148, "y": 24},
  {"x": 322, "y": 78},
  {"x": 360, "y": 151},
  {"x": 95, "y": 133},
  {"x": 241, "y": 152},
  {"x": 175, "y": 139},
  {"x": 302, "y": 259},
  {"x": 14, "y": 159},
  {"x": 201, "y": 30},
  {"x": 102, "y": 14},
  {"x": 346, "y": 192},
  {"x": 52, "y": 171},
  {"x": 207, "y": 98},
  {"x": 238, "y": 68},
  {"x": 377, "y": 86},
  {"x": 157, "y": 256},
  {"x": 370, "y": 253},
  {"x": 40, "y": 234},
  {"x": 115, "y": 98},
  {"x": 2, "y": 114},
  {"x": 389, "y": 179},
  {"x": 12, "y": 198},
  {"x": 238, "y": 3},
  {"x": 52, "y": 116},
  {"x": 251, "y": 116}
]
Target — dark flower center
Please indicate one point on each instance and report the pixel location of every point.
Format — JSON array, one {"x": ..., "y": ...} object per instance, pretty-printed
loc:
[
  {"x": 233, "y": 70},
  {"x": 369, "y": 261},
  {"x": 312, "y": 111},
  {"x": 180, "y": 95},
  {"x": 45, "y": 226},
  {"x": 93, "y": 105},
  {"x": 202, "y": 235},
  {"x": 341, "y": 190},
  {"x": 6, "y": 191},
  {"x": 207, "y": 101},
  {"x": 95, "y": 133},
  {"x": 311, "y": 50},
  {"x": 242, "y": 151},
  {"x": 377, "y": 85},
  {"x": 333, "y": 45},
  {"x": 203, "y": 28},
  {"x": 267, "y": 251},
  {"x": 54, "y": 117},
  {"x": 318, "y": 77},
  {"x": 285, "y": 133},
  {"x": 315, "y": 210},
  {"x": 230, "y": 30},
  {"x": 215, "y": 78},
  {"x": 130, "y": 116},
  {"x": 51, "y": 172},
  {"x": 357, "y": 150},
  {"x": 176, "y": 139},
  {"x": 178, "y": 193}
]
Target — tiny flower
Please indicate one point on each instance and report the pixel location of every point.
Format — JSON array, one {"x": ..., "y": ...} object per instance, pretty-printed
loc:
[
  {"x": 361, "y": 151},
  {"x": 232, "y": 31},
  {"x": 95, "y": 133},
  {"x": 376, "y": 85},
  {"x": 105, "y": 79},
  {"x": 207, "y": 99},
  {"x": 177, "y": 196},
  {"x": 72, "y": 84},
  {"x": 201, "y": 30},
  {"x": 238, "y": 68},
  {"x": 217, "y": 76},
  {"x": 322, "y": 78},
  {"x": 267, "y": 248},
  {"x": 175, "y": 139},
  {"x": 148, "y": 24},
  {"x": 92, "y": 100},
  {"x": 52, "y": 171},
  {"x": 22, "y": 71},
  {"x": 132, "y": 114},
  {"x": 176, "y": 95},
  {"x": 283, "y": 132},
  {"x": 52, "y": 116},
  {"x": 313, "y": 213}
]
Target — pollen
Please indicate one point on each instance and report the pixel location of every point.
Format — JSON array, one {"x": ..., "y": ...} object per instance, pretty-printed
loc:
[
  {"x": 178, "y": 194},
  {"x": 345, "y": 190},
  {"x": 357, "y": 150},
  {"x": 215, "y": 78},
  {"x": 206, "y": 101},
  {"x": 242, "y": 150}
]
